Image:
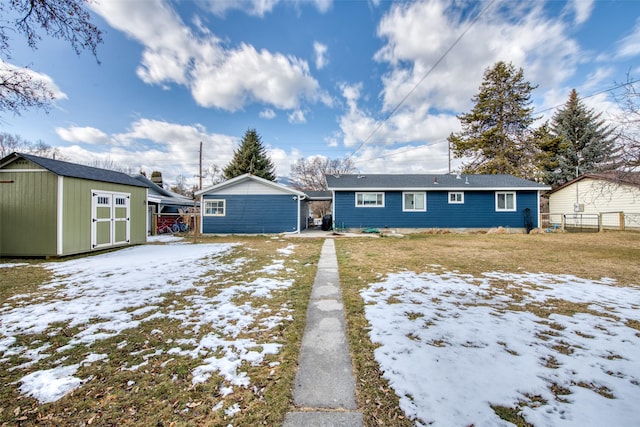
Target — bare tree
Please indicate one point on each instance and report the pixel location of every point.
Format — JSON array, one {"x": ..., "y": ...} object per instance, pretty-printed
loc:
[
  {"x": 308, "y": 174},
  {"x": 68, "y": 20},
  {"x": 215, "y": 174},
  {"x": 15, "y": 143},
  {"x": 629, "y": 124}
]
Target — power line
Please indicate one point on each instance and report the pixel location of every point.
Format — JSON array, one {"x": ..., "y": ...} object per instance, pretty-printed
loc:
[{"x": 402, "y": 101}]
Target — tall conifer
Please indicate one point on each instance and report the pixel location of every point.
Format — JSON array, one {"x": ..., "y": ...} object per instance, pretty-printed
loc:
[
  {"x": 588, "y": 144},
  {"x": 251, "y": 157},
  {"x": 495, "y": 136}
]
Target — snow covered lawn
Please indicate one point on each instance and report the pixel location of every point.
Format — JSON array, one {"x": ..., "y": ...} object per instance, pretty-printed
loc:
[
  {"x": 558, "y": 349},
  {"x": 226, "y": 325}
]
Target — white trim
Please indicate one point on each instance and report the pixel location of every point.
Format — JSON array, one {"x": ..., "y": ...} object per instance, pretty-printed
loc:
[
  {"x": 224, "y": 207},
  {"x": 423, "y": 209},
  {"x": 248, "y": 177},
  {"x": 369, "y": 206},
  {"x": 455, "y": 202},
  {"x": 298, "y": 223},
  {"x": 60, "y": 214},
  {"x": 462, "y": 187},
  {"x": 515, "y": 207},
  {"x": 23, "y": 170}
]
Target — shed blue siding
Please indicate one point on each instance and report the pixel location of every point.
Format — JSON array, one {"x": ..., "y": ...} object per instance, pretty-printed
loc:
[
  {"x": 253, "y": 214},
  {"x": 477, "y": 211}
]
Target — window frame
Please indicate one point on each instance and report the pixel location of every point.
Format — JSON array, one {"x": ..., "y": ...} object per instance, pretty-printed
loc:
[
  {"x": 209, "y": 202},
  {"x": 414, "y": 193},
  {"x": 363, "y": 205},
  {"x": 456, "y": 202},
  {"x": 506, "y": 208}
]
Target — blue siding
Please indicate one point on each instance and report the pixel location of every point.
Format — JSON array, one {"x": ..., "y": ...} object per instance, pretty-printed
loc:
[
  {"x": 477, "y": 211},
  {"x": 253, "y": 214}
]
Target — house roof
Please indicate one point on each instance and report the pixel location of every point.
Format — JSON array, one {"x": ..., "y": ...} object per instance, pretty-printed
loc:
[
  {"x": 318, "y": 195},
  {"x": 248, "y": 177},
  {"x": 163, "y": 196},
  {"x": 616, "y": 177},
  {"x": 73, "y": 170},
  {"x": 443, "y": 182}
]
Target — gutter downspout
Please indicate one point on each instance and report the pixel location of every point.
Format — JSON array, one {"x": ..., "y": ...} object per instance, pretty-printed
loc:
[{"x": 59, "y": 213}]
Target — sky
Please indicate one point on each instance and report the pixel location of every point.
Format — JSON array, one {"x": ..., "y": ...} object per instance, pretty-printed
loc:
[{"x": 376, "y": 81}]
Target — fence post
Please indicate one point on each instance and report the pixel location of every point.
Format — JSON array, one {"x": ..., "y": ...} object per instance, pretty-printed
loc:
[
  {"x": 562, "y": 221},
  {"x": 600, "y": 223},
  {"x": 622, "y": 221},
  {"x": 154, "y": 224}
]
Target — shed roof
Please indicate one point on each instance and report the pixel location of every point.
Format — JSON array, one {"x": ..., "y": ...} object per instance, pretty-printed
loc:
[
  {"x": 430, "y": 182},
  {"x": 164, "y": 197},
  {"x": 74, "y": 170}
]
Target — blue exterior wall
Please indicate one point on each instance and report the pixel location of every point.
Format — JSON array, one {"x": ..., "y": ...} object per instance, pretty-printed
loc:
[
  {"x": 477, "y": 211},
  {"x": 272, "y": 213}
]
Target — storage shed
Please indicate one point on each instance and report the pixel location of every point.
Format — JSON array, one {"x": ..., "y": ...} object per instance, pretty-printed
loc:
[{"x": 53, "y": 208}]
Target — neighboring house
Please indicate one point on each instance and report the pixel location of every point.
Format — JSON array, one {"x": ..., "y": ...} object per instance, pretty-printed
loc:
[
  {"x": 253, "y": 205},
  {"x": 606, "y": 195},
  {"x": 54, "y": 208},
  {"x": 434, "y": 201},
  {"x": 161, "y": 201}
]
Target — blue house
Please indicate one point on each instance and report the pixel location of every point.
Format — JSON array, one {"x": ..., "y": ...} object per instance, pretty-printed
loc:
[
  {"x": 434, "y": 201},
  {"x": 252, "y": 205}
]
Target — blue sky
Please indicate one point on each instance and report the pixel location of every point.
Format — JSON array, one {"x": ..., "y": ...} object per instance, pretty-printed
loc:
[{"x": 314, "y": 78}]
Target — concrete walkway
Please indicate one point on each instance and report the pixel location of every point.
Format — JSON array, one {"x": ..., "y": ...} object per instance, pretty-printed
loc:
[{"x": 324, "y": 391}]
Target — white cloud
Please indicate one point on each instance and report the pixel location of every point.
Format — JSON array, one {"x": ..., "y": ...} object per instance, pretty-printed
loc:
[
  {"x": 150, "y": 145},
  {"x": 582, "y": 10},
  {"x": 217, "y": 76},
  {"x": 630, "y": 45},
  {"x": 420, "y": 100},
  {"x": 7, "y": 69},
  {"x": 283, "y": 160},
  {"x": 86, "y": 135},
  {"x": 246, "y": 75},
  {"x": 297, "y": 117},
  {"x": 268, "y": 114},
  {"x": 320, "y": 51},
  {"x": 323, "y": 6}
]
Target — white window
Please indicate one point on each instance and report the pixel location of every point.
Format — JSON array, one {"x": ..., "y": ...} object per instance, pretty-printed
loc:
[
  {"x": 104, "y": 200},
  {"x": 369, "y": 200},
  {"x": 214, "y": 207},
  {"x": 414, "y": 202},
  {"x": 505, "y": 201},
  {"x": 456, "y": 197}
]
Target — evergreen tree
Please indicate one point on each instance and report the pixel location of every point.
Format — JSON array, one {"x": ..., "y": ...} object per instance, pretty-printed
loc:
[
  {"x": 251, "y": 157},
  {"x": 495, "y": 135},
  {"x": 549, "y": 147},
  {"x": 587, "y": 142}
]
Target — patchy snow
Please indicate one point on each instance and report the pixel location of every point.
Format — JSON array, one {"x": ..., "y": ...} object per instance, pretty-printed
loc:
[
  {"x": 105, "y": 294},
  {"x": 452, "y": 345}
]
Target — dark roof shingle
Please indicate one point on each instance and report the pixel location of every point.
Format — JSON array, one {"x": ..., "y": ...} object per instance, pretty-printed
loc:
[
  {"x": 429, "y": 181},
  {"x": 73, "y": 170}
]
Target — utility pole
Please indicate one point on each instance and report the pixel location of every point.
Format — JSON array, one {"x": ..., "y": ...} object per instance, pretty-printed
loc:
[{"x": 200, "y": 173}]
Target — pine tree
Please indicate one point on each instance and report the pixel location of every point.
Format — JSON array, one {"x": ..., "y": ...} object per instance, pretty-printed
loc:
[
  {"x": 587, "y": 142},
  {"x": 549, "y": 147},
  {"x": 251, "y": 157},
  {"x": 495, "y": 135}
]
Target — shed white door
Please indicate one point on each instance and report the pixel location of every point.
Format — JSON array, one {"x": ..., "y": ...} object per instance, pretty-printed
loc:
[{"x": 110, "y": 220}]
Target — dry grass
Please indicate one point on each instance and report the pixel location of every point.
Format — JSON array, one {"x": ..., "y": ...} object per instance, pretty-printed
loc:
[
  {"x": 364, "y": 261},
  {"x": 161, "y": 392}
]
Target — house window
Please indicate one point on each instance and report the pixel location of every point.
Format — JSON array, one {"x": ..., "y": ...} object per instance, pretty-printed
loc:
[
  {"x": 121, "y": 201},
  {"x": 369, "y": 200},
  {"x": 103, "y": 200},
  {"x": 214, "y": 207},
  {"x": 505, "y": 201},
  {"x": 456, "y": 197},
  {"x": 414, "y": 202}
]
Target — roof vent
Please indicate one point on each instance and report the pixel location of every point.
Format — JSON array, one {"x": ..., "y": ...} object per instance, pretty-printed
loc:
[
  {"x": 466, "y": 180},
  {"x": 435, "y": 179},
  {"x": 361, "y": 176},
  {"x": 458, "y": 176}
]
